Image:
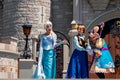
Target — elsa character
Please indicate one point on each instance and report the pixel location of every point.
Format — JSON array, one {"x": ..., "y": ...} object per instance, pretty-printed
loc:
[{"x": 47, "y": 56}]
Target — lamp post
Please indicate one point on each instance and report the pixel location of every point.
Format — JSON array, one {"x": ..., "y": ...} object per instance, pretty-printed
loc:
[{"x": 26, "y": 30}]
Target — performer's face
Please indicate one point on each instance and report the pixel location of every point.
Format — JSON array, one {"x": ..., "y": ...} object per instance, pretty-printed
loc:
[
  {"x": 48, "y": 28},
  {"x": 95, "y": 29},
  {"x": 80, "y": 30},
  {"x": 94, "y": 35}
]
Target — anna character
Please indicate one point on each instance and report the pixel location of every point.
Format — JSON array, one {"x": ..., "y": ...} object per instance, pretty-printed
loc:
[{"x": 78, "y": 65}]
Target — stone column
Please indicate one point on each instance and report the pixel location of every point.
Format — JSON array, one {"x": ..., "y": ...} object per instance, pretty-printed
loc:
[
  {"x": 72, "y": 33},
  {"x": 34, "y": 47},
  {"x": 66, "y": 59},
  {"x": 77, "y": 11}
]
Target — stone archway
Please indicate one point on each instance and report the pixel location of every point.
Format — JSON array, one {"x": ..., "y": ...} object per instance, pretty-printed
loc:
[{"x": 115, "y": 13}]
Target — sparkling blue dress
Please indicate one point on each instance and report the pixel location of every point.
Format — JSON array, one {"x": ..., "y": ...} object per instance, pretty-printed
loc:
[
  {"x": 78, "y": 65},
  {"x": 105, "y": 60},
  {"x": 104, "y": 63},
  {"x": 47, "y": 58}
]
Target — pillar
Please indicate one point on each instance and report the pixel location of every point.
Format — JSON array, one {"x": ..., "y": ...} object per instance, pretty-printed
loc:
[
  {"x": 66, "y": 59},
  {"x": 77, "y": 11}
]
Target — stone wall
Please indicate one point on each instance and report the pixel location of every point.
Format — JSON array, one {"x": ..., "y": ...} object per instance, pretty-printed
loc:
[
  {"x": 8, "y": 61},
  {"x": 17, "y": 12},
  {"x": 92, "y": 9},
  {"x": 87, "y": 12},
  {"x": 62, "y": 12},
  {"x": 8, "y": 68},
  {"x": 61, "y": 15},
  {"x": 1, "y": 20},
  {"x": 113, "y": 4}
]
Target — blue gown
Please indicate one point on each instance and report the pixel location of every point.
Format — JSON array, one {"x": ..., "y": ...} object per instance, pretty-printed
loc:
[
  {"x": 47, "y": 58},
  {"x": 104, "y": 63},
  {"x": 78, "y": 65}
]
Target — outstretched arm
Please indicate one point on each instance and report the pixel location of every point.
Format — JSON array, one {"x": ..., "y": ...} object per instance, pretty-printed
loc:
[{"x": 60, "y": 42}]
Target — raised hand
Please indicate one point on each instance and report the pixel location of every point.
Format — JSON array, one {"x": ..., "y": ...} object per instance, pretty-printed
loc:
[{"x": 64, "y": 41}]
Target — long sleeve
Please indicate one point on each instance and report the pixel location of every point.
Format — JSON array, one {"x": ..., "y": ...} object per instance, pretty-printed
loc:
[
  {"x": 88, "y": 44},
  {"x": 89, "y": 49},
  {"x": 56, "y": 43},
  {"x": 76, "y": 44}
]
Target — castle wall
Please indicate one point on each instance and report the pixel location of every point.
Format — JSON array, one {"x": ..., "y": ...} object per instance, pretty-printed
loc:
[
  {"x": 1, "y": 20},
  {"x": 17, "y": 12},
  {"x": 62, "y": 14}
]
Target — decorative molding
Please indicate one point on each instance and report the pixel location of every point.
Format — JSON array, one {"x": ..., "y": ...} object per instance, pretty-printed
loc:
[
  {"x": 8, "y": 48},
  {"x": 9, "y": 40}
]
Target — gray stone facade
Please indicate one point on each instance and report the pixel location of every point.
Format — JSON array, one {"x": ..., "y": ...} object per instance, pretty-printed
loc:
[
  {"x": 62, "y": 15},
  {"x": 8, "y": 58},
  {"x": 14, "y": 13},
  {"x": 1, "y": 20}
]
